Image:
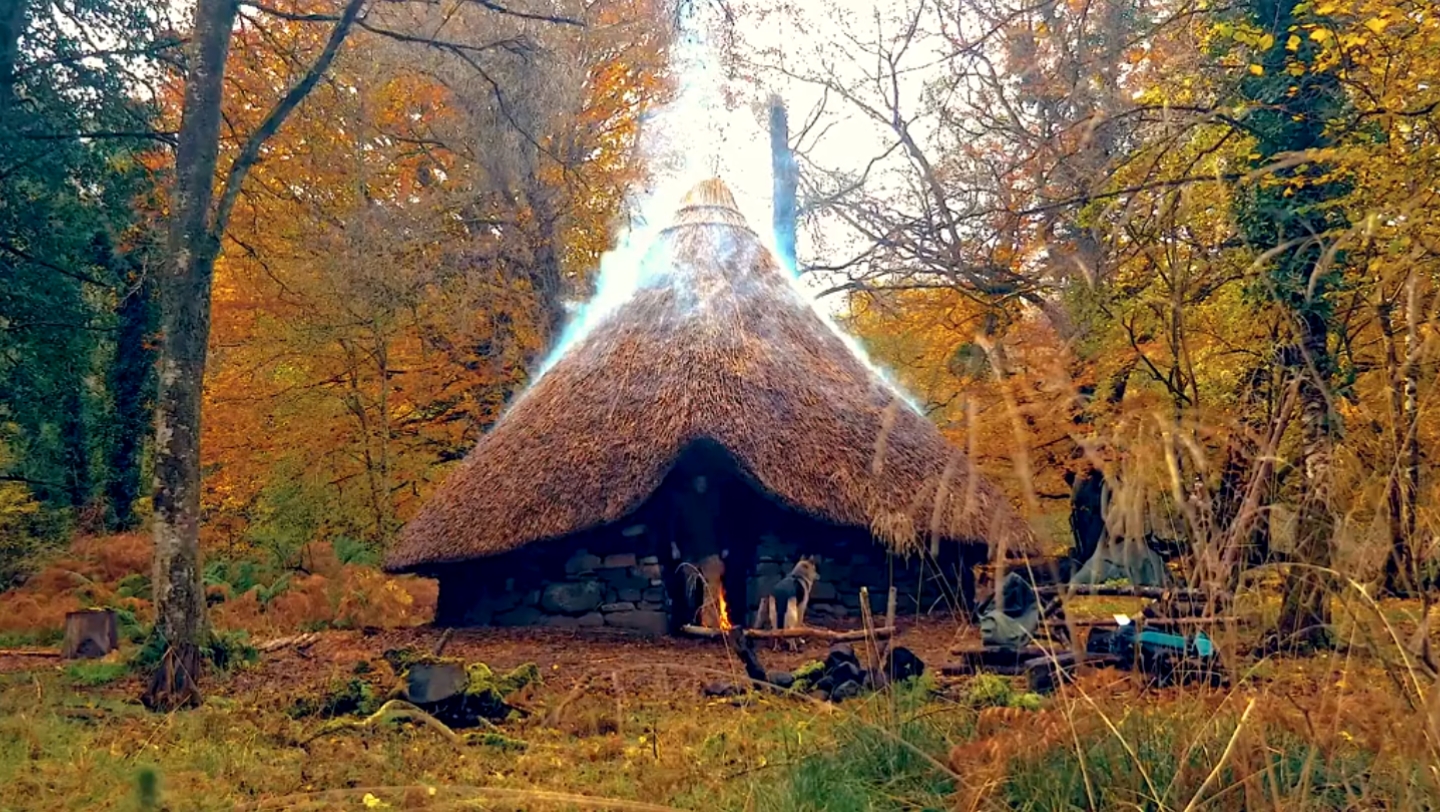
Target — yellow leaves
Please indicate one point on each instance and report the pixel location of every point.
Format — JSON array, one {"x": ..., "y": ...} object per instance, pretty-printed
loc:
[
  {"x": 371, "y": 802},
  {"x": 1267, "y": 42},
  {"x": 1257, "y": 70},
  {"x": 1376, "y": 25},
  {"x": 1293, "y": 43},
  {"x": 1321, "y": 34}
]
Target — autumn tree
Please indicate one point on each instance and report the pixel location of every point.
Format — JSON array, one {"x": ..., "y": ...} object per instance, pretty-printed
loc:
[{"x": 76, "y": 244}]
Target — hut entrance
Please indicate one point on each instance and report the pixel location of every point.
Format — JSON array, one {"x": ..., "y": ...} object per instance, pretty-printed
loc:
[{"x": 706, "y": 522}]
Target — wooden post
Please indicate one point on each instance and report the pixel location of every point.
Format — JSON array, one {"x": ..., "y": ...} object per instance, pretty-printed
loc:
[
  {"x": 867, "y": 618},
  {"x": 890, "y": 610},
  {"x": 89, "y": 634}
]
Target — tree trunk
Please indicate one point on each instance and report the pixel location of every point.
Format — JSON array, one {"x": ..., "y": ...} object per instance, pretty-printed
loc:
[
  {"x": 1305, "y": 612},
  {"x": 185, "y": 330},
  {"x": 132, "y": 382},
  {"x": 12, "y": 28}
]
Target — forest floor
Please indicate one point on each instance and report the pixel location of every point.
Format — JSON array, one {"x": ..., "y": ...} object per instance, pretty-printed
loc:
[{"x": 1348, "y": 730}]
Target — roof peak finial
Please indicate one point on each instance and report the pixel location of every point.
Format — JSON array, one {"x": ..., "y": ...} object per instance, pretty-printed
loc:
[
  {"x": 709, "y": 192},
  {"x": 709, "y": 201}
]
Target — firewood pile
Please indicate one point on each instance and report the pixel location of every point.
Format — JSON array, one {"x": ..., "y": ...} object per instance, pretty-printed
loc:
[{"x": 840, "y": 676}]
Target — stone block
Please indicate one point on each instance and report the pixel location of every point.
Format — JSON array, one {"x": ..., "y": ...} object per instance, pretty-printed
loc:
[
  {"x": 532, "y": 598},
  {"x": 572, "y": 598},
  {"x": 824, "y": 591},
  {"x": 580, "y": 563},
  {"x": 650, "y": 559},
  {"x": 619, "y": 560},
  {"x": 631, "y": 594},
  {"x": 654, "y": 594},
  {"x": 620, "y": 606},
  {"x": 772, "y": 568},
  {"x": 650, "y": 605},
  {"x": 657, "y": 582},
  {"x": 650, "y": 570},
  {"x": 591, "y": 620},
  {"x": 639, "y": 620},
  {"x": 524, "y": 616}
]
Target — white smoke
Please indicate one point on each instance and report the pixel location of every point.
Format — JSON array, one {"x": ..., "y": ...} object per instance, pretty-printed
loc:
[{"x": 700, "y": 134}]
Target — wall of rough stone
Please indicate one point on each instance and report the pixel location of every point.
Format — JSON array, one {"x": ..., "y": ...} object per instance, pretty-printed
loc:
[{"x": 578, "y": 588}]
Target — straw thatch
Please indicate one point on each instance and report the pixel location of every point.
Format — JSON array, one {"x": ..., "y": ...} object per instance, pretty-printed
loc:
[{"x": 714, "y": 344}]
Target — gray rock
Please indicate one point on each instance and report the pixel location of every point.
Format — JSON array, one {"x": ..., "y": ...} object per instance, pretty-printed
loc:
[
  {"x": 781, "y": 679},
  {"x": 524, "y": 616},
  {"x": 581, "y": 562},
  {"x": 654, "y": 594},
  {"x": 639, "y": 620},
  {"x": 650, "y": 559},
  {"x": 650, "y": 605},
  {"x": 591, "y": 620},
  {"x": 657, "y": 582},
  {"x": 619, "y": 606},
  {"x": 619, "y": 560},
  {"x": 532, "y": 598},
  {"x": 770, "y": 568},
  {"x": 621, "y": 577},
  {"x": 650, "y": 570},
  {"x": 431, "y": 682},
  {"x": 573, "y": 598},
  {"x": 824, "y": 591},
  {"x": 631, "y": 594},
  {"x": 561, "y": 622}
]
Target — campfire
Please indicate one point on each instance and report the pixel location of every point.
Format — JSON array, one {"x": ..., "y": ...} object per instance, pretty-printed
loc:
[{"x": 716, "y": 612}]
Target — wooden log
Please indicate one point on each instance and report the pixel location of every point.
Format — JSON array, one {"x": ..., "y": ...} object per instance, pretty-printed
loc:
[
  {"x": 29, "y": 652},
  {"x": 827, "y": 635},
  {"x": 1155, "y": 592},
  {"x": 1156, "y": 623},
  {"x": 89, "y": 634},
  {"x": 996, "y": 659},
  {"x": 962, "y": 668},
  {"x": 299, "y": 641},
  {"x": 890, "y": 609}
]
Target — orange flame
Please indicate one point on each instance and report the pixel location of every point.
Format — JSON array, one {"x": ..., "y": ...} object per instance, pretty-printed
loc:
[{"x": 724, "y": 613}]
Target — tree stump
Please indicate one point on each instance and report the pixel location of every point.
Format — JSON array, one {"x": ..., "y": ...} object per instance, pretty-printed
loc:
[{"x": 90, "y": 634}]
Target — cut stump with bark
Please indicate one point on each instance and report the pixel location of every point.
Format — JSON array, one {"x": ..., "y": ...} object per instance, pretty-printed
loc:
[
  {"x": 90, "y": 634},
  {"x": 176, "y": 682}
]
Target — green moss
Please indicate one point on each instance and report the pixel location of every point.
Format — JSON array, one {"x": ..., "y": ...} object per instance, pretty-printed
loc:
[
  {"x": 807, "y": 675},
  {"x": 989, "y": 691},
  {"x": 94, "y": 673},
  {"x": 354, "y": 696},
  {"x": 489, "y": 738}
]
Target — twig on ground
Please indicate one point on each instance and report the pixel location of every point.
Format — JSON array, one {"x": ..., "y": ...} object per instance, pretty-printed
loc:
[{"x": 394, "y": 709}]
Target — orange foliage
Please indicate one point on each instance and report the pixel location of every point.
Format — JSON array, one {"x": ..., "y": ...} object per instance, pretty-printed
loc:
[
  {"x": 91, "y": 572},
  {"x": 368, "y": 321}
]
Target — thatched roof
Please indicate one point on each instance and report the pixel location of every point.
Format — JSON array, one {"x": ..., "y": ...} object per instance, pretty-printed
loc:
[{"x": 716, "y": 343}]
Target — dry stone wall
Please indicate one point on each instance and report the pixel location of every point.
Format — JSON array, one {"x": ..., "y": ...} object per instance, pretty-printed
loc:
[{"x": 597, "y": 587}]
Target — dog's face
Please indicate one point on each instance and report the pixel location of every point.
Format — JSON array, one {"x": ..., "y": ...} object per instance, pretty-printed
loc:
[{"x": 806, "y": 569}]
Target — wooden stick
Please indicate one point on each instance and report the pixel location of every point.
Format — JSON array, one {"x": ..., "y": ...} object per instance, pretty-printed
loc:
[
  {"x": 890, "y": 609},
  {"x": 780, "y": 634},
  {"x": 619, "y": 704},
  {"x": 1156, "y": 592},
  {"x": 444, "y": 641},
  {"x": 867, "y": 623},
  {"x": 1159, "y": 622},
  {"x": 29, "y": 652}
]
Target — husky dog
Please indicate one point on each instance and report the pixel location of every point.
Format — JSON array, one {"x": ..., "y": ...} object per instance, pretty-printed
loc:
[{"x": 791, "y": 592}]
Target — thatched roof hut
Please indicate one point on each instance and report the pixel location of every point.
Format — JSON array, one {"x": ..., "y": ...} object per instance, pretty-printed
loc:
[{"x": 717, "y": 345}]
